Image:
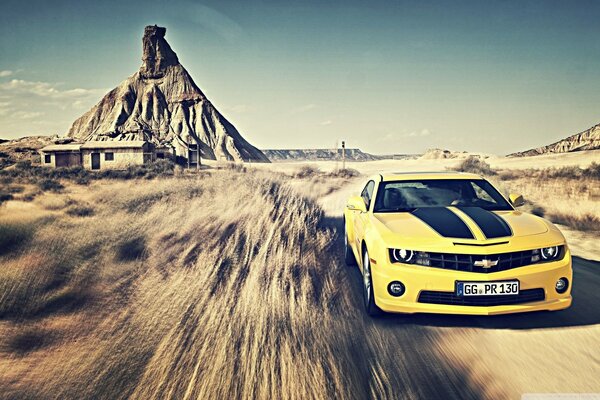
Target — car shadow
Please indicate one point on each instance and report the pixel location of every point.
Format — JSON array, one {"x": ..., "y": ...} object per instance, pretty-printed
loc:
[{"x": 584, "y": 310}]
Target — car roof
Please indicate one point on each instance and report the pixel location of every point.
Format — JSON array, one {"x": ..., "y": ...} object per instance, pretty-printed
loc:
[{"x": 408, "y": 176}]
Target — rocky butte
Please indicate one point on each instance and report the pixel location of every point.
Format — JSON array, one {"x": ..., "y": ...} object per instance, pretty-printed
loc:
[
  {"x": 161, "y": 104},
  {"x": 586, "y": 140}
]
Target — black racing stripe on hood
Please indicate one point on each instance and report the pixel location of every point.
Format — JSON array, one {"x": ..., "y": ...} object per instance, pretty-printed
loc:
[
  {"x": 492, "y": 225},
  {"x": 444, "y": 222}
]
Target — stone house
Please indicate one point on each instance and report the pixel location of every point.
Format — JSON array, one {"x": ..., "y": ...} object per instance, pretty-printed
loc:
[{"x": 99, "y": 155}]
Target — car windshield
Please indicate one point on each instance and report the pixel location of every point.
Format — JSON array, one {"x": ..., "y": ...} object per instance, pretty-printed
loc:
[{"x": 400, "y": 196}]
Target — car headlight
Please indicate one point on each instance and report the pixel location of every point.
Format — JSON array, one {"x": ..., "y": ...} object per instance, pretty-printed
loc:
[
  {"x": 406, "y": 256},
  {"x": 546, "y": 254},
  {"x": 401, "y": 255}
]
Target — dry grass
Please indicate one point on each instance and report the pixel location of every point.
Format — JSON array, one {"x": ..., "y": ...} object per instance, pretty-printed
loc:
[
  {"x": 573, "y": 202},
  {"x": 220, "y": 285},
  {"x": 475, "y": 165},
  {"x": 226, "y": 286}
]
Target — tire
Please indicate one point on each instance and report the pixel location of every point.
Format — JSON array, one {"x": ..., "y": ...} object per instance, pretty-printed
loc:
[
  {"x": 348, "y": 253},
  {"x": 368, "y": 294}
]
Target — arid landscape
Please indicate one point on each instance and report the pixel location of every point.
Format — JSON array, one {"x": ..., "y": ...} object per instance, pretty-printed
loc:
[
  {"x": 157, "y": 245},
  {"x": 228, "y": 282}
]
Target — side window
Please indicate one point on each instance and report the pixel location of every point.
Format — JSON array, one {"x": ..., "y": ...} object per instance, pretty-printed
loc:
[
  {"x": 109, "y": 156},
  {"x": 367, "y": 193},
  {"x": 47, "y": 158},
  {"x": 482, "y": 194}
]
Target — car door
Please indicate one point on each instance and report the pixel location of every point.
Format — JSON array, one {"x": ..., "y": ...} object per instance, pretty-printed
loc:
[{"x": 360, "y": 218}]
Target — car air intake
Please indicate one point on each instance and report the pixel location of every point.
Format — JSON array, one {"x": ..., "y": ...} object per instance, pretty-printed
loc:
[{"x": 450, "y": 298}]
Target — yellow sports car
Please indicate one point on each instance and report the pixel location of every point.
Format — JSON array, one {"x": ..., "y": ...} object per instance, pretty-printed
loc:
[{"x": 451, "y": 243}]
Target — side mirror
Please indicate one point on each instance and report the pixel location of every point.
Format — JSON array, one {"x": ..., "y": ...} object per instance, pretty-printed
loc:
[
  {"x": 356, "y": 203},
  {"x": 516, "y": 200}
]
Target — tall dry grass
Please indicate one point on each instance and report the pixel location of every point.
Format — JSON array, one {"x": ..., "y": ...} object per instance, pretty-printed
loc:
[
  {"x": 574, "y": 202},
  {"x": 228, "y": 286}
]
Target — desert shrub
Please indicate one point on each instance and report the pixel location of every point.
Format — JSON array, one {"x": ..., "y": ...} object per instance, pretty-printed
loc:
[
  {"x": 24, "y": 165},
  {"x": 583, "y": 222},
  {"x": 131, "y": 249},
  {"x": 475, "y": 165},
  {"x": 593, "y": 171},
  {"x": 80, "y": 211},
  {"x": 50, "y": 185},
  {"x": 307, "y": 171},
  {"x": 570, "y": 172},
  {"x": 15, "y": 189},
  {"x": 149, "y": 171},
  {"x": 538, "y": 210},
  {"x": 5, "y": 196},
  {"x": 509, "y": 174},
  {"x": 233, "y": 166},
  {"x": 345, "y": 173},
  {"x": 13, "y": 236}
]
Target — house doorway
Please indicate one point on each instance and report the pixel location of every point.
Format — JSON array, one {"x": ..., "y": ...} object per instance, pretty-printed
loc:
[{"x": 95, "y": 160}]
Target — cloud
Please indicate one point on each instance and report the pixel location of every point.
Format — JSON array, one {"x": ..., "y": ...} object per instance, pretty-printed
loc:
[
  {"x": 303, "y": 109},
  {"x": 421, "y": 133},
  {"x": 325, "y": 123},
  {"x": 393, "y": 137},
  {"x": 212, "y": 20},
  {"x": 27, "y": 114},
  {"x": 239, "y": 108},
  {"x": 17, "y": 87},
  {"x": 5, "y": 73},
  {"x": 34, "y": 107}
]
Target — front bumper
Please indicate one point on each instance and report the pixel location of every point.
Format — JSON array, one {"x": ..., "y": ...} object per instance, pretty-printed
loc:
[{"x": 417, "y": 278}]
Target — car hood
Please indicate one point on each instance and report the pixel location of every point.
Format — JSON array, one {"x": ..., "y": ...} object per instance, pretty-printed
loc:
[{"x": 464, "y": 224}]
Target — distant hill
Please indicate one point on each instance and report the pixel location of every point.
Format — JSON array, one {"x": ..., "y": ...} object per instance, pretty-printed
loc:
[
  {"x": 586, "y": 140},
  {"x": 23, "y": 149},
  {"x": 326, "y": 155}
]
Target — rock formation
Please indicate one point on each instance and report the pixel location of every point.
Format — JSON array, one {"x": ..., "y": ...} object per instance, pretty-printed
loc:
[
  {"x": 318, "y": 155},
  {"x": 162, "y": 104},
  {"x": 586, "y": 140}
]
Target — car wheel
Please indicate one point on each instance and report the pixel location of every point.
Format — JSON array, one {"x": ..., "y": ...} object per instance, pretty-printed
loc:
[
  {"x": 369, "y": 298},
  {"x": 348, "y": 254}
]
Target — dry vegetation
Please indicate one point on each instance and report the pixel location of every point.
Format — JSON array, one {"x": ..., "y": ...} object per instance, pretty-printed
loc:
[
  {"x": 225, "y": 283},
  {"x": 220, "y": 286},
  {"x": 568, "y": 195}
]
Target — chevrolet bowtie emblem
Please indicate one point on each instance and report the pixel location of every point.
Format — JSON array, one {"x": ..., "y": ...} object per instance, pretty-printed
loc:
[{"x": 485, "y": 263}]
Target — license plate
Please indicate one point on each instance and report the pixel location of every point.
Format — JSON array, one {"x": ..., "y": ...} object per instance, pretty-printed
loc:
[{"x": 487, "y": 288}]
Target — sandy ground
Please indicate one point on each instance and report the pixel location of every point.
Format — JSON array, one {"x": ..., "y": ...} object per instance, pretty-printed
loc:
[{"x": 581, "y": 159}]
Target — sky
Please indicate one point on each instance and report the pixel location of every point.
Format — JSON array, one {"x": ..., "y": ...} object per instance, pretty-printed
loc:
[{"x": 385, "y": 76}]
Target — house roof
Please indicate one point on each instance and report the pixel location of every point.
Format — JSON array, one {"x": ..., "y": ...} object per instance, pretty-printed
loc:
[
  {"x": 62, "y": 147},
  {"x": 113, "y": 144}
]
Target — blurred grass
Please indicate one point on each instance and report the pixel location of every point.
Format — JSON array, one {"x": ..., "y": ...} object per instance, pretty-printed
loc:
[{"x": 183, "y": 284}]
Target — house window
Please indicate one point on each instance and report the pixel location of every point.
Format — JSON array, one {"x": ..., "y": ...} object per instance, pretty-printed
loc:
[
  {"x": 160, "y": 155},
  {"x": 47, "y": 158},
  {"x": 109, "y": 156}
]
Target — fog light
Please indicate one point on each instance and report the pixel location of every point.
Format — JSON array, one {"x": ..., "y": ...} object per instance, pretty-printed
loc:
[
  {"x": 396, "y": 288},
  {"x": 562, "y": 285}
]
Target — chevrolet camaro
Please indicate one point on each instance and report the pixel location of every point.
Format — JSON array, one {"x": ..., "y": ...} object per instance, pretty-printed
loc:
[{"x": 451, "y": 243}]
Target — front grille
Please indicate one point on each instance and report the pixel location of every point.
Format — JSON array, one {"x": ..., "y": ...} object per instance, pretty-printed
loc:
[
  {"x": 450, "y": 298},
  {"x": 466, "y": 262}
]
